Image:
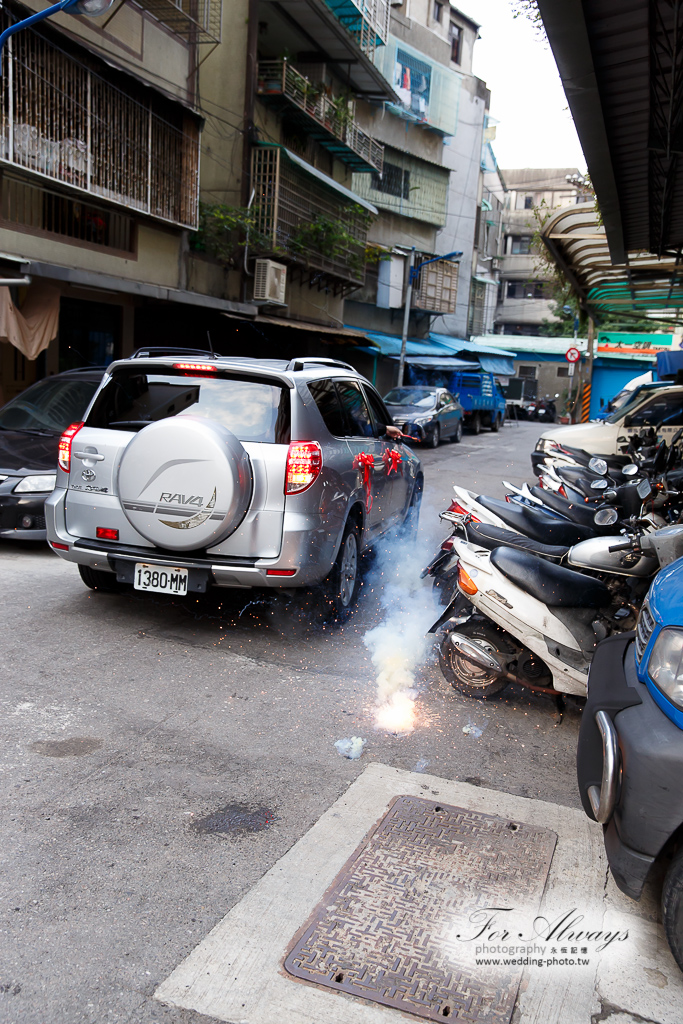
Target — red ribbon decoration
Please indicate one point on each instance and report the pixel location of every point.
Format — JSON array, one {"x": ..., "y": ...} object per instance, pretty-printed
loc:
[
  {"x": 365, "y": 462},
  {"x": 392, "y": 459}
]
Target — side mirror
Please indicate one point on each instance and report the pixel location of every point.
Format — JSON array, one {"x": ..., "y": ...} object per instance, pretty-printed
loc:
[
  {"x": 598, "y": 466},
  {"x": 606, "y": 517},
  {"x": 598, "y": 485},
  {"x": 627, "y": 421},
  {"x": 630, "y": 470}
]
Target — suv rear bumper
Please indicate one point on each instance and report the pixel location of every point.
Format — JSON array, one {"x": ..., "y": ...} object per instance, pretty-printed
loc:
[{"x": 309, "y": 547}]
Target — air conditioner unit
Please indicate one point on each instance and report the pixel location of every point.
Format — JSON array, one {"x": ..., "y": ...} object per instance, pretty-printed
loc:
[{"x": 270, "y": 281}]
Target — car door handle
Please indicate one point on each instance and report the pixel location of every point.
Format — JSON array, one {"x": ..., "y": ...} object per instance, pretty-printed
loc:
[{"x": 89, "y": 455}]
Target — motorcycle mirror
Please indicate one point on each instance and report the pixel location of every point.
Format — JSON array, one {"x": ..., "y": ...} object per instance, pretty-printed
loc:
[
  {"x": 629, "y": 470},
  {"x": 606, "y": 517},
  {"x": 598, "y": 485},
  {"x": 622, "y": 440},
  {"x": 598, "y": 466}
]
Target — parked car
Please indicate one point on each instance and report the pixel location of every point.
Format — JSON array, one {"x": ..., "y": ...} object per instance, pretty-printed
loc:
[
  {"x": 651, "y": 405},
  {"x": 30, "y": 427},
  {"x": 630, "y": 752},
  {"x": 230, "y": 472},
  {"x": 438, "y": 414}
]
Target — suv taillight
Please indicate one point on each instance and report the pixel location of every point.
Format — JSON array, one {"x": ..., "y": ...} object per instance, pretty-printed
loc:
[
  {"x": 304, "y": 462},
  {"x": 65, "y": 442}
]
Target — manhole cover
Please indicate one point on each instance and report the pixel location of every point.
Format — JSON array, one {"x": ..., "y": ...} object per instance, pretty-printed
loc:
[{"x": 395, "y": 926}]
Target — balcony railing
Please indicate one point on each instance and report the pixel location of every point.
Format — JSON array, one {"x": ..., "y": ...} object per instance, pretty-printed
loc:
[
  {"x": 366, "y": 20},
  {"x": 305, "y": 222},
  {"x": 63, "y": 122},
  {"x": 328, "y": 121},
  {"x": 197, "y": 21}
]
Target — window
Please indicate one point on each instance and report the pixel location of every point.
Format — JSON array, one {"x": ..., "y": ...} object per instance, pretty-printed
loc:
[
  {"x": 379, "y": 410},
  {"x": 563, "y": 371},
  {"x": 355, "y": 406},
  {"x": 393, "y": 182},
  {"x": 252, "y": 410},
  {"x": 438, "y": 11},
  {"x": 329, "y": 406},
  {"x": 412, "y": 81},
  {"x": 666, "y": 411},
  {"x": 528, "y": 202},
  {"x": 521, "y": 244},
  {"x": 527, "y": 371},
  {"x": 527, "y": 289},
  {"x": 455, "y": 36}
]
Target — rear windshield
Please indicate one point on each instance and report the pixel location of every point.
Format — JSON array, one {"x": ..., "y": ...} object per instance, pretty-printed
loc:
[
  {"x": 252, "y": 410},
  {"x": 49, "y": 406}
]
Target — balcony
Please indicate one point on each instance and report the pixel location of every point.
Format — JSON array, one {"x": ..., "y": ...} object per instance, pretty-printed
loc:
[
  {"x": 366, "y": 20},
  {"x": 308, "y": 220},
  {"x": 61, "y": 121},
  {"x": 329, "y": 121},
  {"x": 196, "y": 21}
]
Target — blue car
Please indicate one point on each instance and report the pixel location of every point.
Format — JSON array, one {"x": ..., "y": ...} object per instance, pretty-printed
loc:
[{"x": 630, "y": 753}]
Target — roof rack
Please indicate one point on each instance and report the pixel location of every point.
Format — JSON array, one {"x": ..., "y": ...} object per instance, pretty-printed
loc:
[
  {"x": 154, "y": 351},
  {"x": 302, "y": 361}
]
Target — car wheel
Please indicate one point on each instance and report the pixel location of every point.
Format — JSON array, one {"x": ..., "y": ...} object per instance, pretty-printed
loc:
[
  {"x": 495, "y": 425},
  {"x": 457, "y": 436},
  {"x": 465, "y": 676},
  {"x": 476, "y": 423},
  {"x": 343, "y": 583},
  {"x": 98, "y": 580},
  {"x": 672, "y": 907},
  {"x": 435, "y": 438}
]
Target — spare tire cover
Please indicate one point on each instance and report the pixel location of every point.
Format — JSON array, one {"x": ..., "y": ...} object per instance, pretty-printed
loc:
[{"x": 185, "y": 483}]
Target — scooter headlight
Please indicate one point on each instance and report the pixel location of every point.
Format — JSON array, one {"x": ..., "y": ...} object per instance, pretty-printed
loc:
[{"x": 665, "y": 666}]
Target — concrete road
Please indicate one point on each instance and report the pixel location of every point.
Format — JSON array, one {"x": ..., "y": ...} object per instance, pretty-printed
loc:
[{"x": 158, "y": 757}]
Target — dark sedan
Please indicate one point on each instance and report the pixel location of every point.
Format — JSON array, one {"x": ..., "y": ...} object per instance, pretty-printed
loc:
[
  {"x": 30, "y": 428},
  {"x": 436, "y": 411}
]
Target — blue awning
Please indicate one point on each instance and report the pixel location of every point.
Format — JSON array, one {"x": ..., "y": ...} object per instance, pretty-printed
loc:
[{"x": 492, "y": 360}]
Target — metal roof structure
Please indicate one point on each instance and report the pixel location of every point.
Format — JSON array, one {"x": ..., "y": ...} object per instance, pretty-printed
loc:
[
  {"x": 642, "y": 284},
  {"x": 621, "y": 64}
]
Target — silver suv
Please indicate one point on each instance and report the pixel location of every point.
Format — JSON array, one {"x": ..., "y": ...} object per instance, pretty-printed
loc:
[{"x": 195, "y": 471}]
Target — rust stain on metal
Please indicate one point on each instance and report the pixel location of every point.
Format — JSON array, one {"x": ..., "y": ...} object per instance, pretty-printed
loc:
[{"x": 394, "y": 926}]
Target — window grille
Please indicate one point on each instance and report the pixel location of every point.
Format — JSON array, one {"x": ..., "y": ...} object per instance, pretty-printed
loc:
[
  {"x": 436, "y": 287},
  {"x": 287, "y": 201},
  {"x": 394, "y": 181},
  {"x": 62, "y": 121},
  {"x": 42, "y": 211}
]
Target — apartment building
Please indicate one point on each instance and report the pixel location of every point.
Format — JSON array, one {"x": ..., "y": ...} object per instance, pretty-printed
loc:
[
  {"x": 259, "y": 172},
  {"x": 525, "y": 295},
  {"x": 99, "y": 180}
]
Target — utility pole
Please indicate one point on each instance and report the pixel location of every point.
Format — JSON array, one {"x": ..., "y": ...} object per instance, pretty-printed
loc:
[
  {"x": 413, "y": 272},
  {"x": 406, "y": 317}
]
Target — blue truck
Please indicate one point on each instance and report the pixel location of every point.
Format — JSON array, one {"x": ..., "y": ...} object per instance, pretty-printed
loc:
[{"x": 481, "y": 398}]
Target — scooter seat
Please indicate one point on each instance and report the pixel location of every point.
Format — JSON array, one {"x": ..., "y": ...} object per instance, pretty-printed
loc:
[
  {"x": 553, "y": 585},
  {"x": 494, "y": 536},
  {"x": 581, "y": 514},
  {"x": 536, "y": 524}
]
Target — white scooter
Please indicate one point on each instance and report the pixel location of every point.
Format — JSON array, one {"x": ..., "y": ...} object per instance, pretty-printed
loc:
[{"x": 537, "y": 623}]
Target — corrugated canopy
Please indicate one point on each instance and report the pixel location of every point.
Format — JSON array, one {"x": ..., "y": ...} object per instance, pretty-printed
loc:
[{"x": 641, "y": 284}]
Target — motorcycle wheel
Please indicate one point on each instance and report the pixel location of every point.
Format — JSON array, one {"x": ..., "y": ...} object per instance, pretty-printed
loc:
[{"x": 465, "y": 677}]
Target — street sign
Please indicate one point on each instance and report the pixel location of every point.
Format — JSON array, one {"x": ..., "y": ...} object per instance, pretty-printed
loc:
[
  {"x": 571, "y": 369},
  {"x": 572, "y": 355}
]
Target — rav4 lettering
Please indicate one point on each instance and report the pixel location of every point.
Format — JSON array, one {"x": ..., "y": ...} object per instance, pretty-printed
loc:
[{"x": 181, "y": 499}]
